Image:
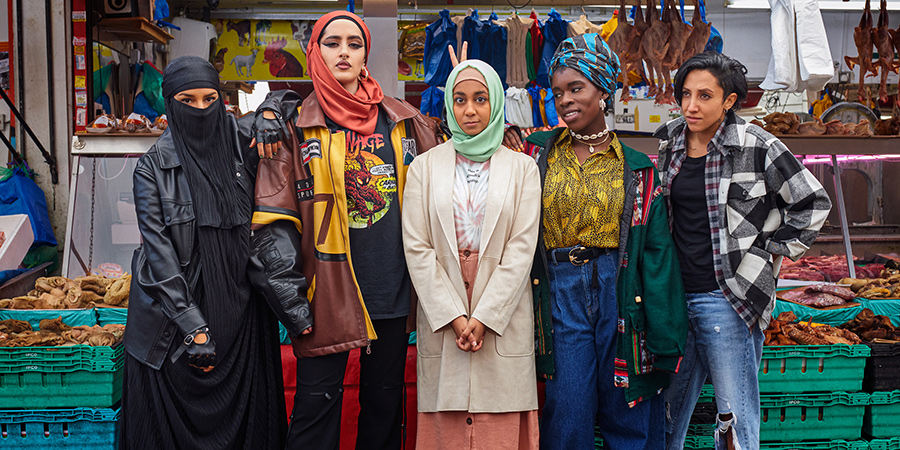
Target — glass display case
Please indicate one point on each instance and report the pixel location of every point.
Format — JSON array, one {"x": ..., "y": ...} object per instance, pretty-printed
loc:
[{"x": 102, "y": 231}]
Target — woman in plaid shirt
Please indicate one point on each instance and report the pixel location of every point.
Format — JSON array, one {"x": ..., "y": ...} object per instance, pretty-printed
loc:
[{"x": 739, "y": 202}]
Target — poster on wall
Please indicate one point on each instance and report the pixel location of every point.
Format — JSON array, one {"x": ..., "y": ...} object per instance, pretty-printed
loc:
[
  {"x": 4, "y": 70},
  {"x": 275, "y": 50},
  {"x": 262, "y": 50}
]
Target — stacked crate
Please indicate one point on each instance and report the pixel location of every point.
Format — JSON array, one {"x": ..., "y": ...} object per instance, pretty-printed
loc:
[
  {"x": 60, "y": 397},
  {"x": 810, "y": 398},
  {"x": 881, "y": 423}
]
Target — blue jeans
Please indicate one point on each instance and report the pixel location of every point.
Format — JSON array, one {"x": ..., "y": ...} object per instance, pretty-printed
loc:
[
  {"x": 721, "y": 346},
  {"x": 582, "y": 391}
]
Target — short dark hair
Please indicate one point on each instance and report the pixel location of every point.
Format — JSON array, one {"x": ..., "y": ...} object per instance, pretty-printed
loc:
[{"x": 729, "y": 72}]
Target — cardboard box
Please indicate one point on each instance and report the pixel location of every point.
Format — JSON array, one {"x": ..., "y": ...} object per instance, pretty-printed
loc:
[
  {"x": 19, "y": 237},
  {"x": 642, "y": 114}
]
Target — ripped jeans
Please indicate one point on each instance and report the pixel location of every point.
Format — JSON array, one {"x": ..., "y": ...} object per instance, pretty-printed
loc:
[{"x": 719, "y": 345}]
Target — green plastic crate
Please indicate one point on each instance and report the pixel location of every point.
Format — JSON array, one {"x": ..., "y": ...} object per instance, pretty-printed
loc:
[
  {"x": 707, "y": 394},
  {"x": 61, "y": 377},
  {"x": 882, "y": 419},
  {"x": 805, "y": 368},
  {"x": 885, "y": 444},
  {"x": 701, "y": 429},
  {"x": 73, "y": 429},
  {"x": 59, "y": 359},
  {"x": 799, "y": 417},
  {"x": 37, "y": 390},
  {"x": 699, "y": 442},
  {"x": 815, "y": 445}
]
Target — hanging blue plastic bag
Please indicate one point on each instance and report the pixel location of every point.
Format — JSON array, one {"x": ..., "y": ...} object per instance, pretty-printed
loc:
[
  {"x": 555, "y": 31},
  {"x": 715, "y": 42},
  {"x": 493, "y": 49},
  {"x": 20, "y": 195},
  {"x": 438, "y": 36},
  {"x": 160, "y": 10},
  {"x": 432, "y": 102},
  {"x": 148, "y": 100}
]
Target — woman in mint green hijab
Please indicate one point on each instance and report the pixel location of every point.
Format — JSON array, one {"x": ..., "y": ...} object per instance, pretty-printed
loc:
[{"x": 470, "y": 222}]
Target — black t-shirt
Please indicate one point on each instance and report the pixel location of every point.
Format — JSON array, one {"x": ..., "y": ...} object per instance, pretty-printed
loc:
[
  {"x": 376, "y": 244},
  {"x": 690, "y": 227}
]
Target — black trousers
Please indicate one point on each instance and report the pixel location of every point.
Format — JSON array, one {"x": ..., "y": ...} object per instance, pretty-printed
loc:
[{"x": 316, "y": 418}]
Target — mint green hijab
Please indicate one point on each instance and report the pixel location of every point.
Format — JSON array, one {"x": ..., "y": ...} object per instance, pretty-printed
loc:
[{"x": 480, "y": 147}]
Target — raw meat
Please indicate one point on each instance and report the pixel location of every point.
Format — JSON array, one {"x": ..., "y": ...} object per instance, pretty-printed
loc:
[
  {"x": 700, "y": 32},
  {"x": 816, "y": 127},
  {"x": 654, "y": 45},
  {"x": 862, "y": 37},
  {"x": 882, "y": 38},
  {"x": 626, "y": 42},
  {"x": 678, "y": 35},
  {"x": 839, "y": 291}
]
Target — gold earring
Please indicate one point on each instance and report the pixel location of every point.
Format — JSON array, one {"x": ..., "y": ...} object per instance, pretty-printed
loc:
[{"x": 364, "y": 73}]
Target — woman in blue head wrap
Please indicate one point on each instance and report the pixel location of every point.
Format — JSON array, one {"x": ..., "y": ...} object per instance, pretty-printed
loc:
[
  {"x": 471, "y": 209},
  {"x": 611, "y": 321}
]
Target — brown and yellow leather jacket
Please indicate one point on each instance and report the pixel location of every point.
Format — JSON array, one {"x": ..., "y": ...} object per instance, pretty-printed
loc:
[{"x": 300, "y": 220}]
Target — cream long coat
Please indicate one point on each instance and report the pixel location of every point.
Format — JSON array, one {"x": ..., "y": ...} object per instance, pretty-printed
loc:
[{"x": 500, "y": 377}]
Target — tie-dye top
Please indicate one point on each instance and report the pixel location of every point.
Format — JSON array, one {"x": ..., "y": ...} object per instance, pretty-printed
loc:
[{"x": 470, "y": 187}]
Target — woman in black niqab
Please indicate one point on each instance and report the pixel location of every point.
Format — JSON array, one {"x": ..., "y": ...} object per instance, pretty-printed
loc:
[{"x": 237, "y": 401}]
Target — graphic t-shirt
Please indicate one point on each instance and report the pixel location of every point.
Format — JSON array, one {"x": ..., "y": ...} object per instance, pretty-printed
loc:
[{"x": 373, "y": 209}]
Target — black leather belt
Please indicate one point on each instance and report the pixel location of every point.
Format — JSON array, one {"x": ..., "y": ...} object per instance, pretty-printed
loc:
[{"x": 578, "y": 255}]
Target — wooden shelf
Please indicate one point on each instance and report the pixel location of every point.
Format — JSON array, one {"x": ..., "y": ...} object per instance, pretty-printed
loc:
[{"x": 132, "y": 29}]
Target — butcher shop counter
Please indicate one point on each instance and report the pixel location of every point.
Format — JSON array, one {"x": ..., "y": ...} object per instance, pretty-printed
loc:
[
  {"x": 830, "y": 145},
  {"x": 800, "y": 145}
]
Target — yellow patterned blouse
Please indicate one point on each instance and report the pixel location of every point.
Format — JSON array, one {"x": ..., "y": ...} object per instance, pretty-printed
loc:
[{"x": 583, "y": 202}]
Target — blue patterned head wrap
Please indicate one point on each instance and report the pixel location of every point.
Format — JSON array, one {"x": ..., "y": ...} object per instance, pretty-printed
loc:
[{"x": 588, "y": 54}]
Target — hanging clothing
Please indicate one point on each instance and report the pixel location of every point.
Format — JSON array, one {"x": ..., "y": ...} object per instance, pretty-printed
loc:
[
  {"x": 584, "y": 26},
  {"x": 554, "y": 31},
  {"x": 802, "y": 58},
  {"x": 438, "y": 36},
  {"x": 550, "y": 108},
  {"x": 518, "y": 107},
  {"x": 432, "y": 104},
  {"x": 537, "y": 106},
  {"x": 516, "y": 60},
  {"x": 536, "y": 46},
  {"x": 494, "y": 49},
  {"x": 474, "y": 31}
]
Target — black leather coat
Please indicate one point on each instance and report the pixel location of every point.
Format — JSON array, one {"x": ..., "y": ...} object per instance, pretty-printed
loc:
[{"x": 165, "y": 267}]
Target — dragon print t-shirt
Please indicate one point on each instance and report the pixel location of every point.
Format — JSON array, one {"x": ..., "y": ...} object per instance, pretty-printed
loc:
[{"x": 373, "y": 210}]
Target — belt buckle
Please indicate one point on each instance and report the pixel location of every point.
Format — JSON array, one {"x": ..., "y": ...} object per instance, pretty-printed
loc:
[{"x": 574, "y": 259}]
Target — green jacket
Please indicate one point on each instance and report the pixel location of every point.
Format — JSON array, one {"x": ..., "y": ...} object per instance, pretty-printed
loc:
[{"x": 653, "y": 321}]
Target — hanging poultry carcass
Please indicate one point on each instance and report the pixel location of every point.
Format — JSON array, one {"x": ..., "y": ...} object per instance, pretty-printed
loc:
[
  {"x": 626, "y": 43},
  {"x": 862, "y": 37},
  {"x": 655, "y": 44},
  {"x": 882, "y": 38}
]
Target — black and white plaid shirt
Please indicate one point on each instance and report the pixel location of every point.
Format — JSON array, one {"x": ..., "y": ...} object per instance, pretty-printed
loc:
[{"x": 763, "y": 205}]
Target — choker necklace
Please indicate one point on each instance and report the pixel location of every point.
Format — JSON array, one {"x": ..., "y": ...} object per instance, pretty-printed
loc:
[
  {"x": 590, "y": 146},
  {"x": 599, "y": 135}
]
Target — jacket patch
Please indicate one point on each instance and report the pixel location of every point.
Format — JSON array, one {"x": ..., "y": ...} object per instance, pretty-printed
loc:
[
  {"x": 620, "y": 376},
  {"x": 409, "y": 150},
  {"x": 311, "y": 148},
  {"x": 304, "y": 189}
]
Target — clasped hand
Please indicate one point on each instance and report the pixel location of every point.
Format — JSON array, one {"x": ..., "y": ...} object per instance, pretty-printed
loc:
[{"x": 469, "y": 333}]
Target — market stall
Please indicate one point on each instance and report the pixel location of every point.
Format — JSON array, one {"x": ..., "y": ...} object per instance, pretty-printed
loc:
[{"x": 816, "y": 393}]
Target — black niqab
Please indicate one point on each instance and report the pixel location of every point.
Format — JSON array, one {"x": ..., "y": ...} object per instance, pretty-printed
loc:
[{"x": 207, "y": 155}]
